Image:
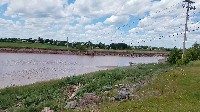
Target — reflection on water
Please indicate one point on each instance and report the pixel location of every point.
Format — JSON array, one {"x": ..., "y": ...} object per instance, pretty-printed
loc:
[{"x": 21, "y": 69}]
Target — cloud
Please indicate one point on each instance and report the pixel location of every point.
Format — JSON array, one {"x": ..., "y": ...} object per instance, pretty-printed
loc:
[
  {"x": 155, "y": 22},
  {"x": 35, "y": 8},
  {"x": 94, "y": 8},
  {"x": 2, "y": 2},
  {"x": 117, "y": 20},
  {"x": 164, "y": 24},
  {"x": 135, "y": 7},
  {"x": 96, "y": 26},
  {"x": 100, "y": 8},
  {"x": 84, "y": 20},
  {"x": 135, "y": 30}
]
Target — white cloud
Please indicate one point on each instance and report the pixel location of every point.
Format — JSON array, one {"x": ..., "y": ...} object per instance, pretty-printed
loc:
[
  {"x": 135, "y": 30},
  {"x": 117, "y": 20},
  {"x": 86, "y": 20},
  {"x": 96, "y": 26},
  {"x": 95, "y": 8},
  {"x": 165, "y": 25},
  {"x": 2, "y": 2},
  {"x": 35, "y": 8},
  {"x": 135, "y": 7},
  {"x": 75, "y": 28}
]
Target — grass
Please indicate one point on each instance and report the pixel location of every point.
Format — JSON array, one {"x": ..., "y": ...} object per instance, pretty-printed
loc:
[
  {"x": 47, "y": 46},
  {"x": 32, "y": 98},
  {"x": 178, "y": 93},
  {"x": 31, "y": 45},
  {"x": 134, "y": 51}
]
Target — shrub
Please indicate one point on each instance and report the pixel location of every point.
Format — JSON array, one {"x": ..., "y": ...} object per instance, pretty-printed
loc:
[
  {"x": 81, "y": 47},
  {"x": 191, "y": 54},
  {"x": 174, "y": 56}
]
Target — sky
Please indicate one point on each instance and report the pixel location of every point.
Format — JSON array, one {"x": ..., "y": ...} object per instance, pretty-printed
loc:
[{"x": 157, "y": 23}]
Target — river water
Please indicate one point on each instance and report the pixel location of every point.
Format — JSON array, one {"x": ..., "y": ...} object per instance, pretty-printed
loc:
[{"x": 23, "y": 69}]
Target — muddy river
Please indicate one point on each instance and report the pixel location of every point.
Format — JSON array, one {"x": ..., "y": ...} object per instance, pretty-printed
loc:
[{"x": 22, "y": 69}]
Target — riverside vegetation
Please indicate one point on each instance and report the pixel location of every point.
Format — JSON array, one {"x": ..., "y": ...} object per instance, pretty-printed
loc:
[
  {"x": 65, "y": 45},
  {"x": 52, "y": 94},
  {"x": 168, "y": 87}
]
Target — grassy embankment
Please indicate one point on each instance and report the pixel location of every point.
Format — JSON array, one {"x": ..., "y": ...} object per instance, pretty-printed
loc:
[
  {"x": 178, "y": 90},
  {"x": 48, "y": 46},
  {"x": 33, "y": 98}
]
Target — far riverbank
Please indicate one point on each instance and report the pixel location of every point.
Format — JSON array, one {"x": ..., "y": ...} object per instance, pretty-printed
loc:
[{"x": 124, "y": 53}]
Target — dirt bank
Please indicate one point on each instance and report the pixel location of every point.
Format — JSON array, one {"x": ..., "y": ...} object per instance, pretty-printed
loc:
[{"x": 77, "y": 52}]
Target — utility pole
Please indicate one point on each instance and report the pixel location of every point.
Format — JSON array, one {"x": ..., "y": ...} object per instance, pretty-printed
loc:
[
  {"x": 67, "y": 42},
  {"x": 188, "y": 6}
]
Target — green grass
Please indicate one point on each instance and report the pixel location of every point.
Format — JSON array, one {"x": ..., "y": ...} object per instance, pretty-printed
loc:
[
  {"x": 134, "y": 51},
  {"x": 33, "y": 98},
  {"x": 31, "y": 45},
  {"x": 48, "y": 46},
  {"x": 179, "y": 92}
]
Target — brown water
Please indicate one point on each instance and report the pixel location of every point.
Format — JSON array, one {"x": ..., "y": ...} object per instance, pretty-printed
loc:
[{"x": 22, "y": 69}]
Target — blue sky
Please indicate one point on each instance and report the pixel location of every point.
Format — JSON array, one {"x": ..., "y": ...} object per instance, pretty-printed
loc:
[{"x": 135, "y": 22}]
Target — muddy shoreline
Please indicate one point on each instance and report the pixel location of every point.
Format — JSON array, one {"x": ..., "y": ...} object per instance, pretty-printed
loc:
[{"x": 77, "y": 52}]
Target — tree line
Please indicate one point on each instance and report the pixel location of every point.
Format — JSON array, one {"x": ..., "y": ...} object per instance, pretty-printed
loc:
[{"x": 84, "y": 45}]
